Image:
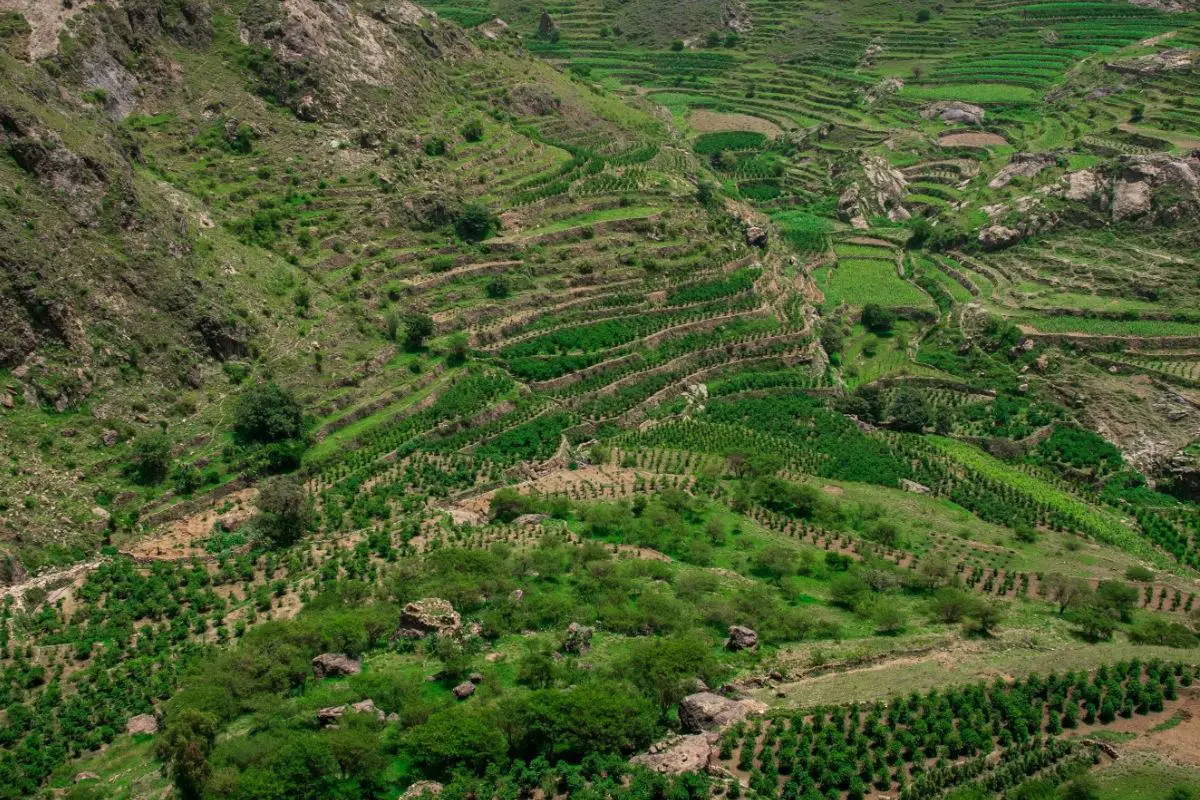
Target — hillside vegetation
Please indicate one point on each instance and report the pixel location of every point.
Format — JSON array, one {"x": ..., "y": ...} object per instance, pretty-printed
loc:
[{"x": 758, "y": 398}]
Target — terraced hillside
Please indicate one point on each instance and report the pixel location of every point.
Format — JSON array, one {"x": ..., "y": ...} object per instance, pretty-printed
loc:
[{"x": 778, "y": 398}]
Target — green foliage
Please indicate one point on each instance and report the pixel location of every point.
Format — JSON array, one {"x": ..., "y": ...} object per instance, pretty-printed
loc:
[
  {"x": 284, "y": 511},
  {"x": 151, "y": 457},
  {"x": 265, "y": 414},
  {"x": 708, "y": 144},
  {"x": 418, "y": 326},
  {"x": 475, "y": 222}
]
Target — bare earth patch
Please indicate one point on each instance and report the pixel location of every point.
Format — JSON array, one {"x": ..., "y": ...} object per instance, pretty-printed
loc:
[
  {"x": 185, "y": 538},
  {"x": 972, "y": 140},
  {"x": 706, "y": 121}
]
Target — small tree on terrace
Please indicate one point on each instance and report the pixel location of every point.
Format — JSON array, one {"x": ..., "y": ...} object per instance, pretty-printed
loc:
[
  {"x": 475, "y": 222},
  {"x": 284, "y": 511},
  {"x": 151, "y": 457},
  {"x": 418, "y": 327},
  {"x": 878, "y": 319},
  {"x": 266, "y": 413}
]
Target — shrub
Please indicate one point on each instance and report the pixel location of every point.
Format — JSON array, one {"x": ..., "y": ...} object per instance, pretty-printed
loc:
[
  {"x": 284, "y": 511},
  {"x": 418, "y": 327},
  {"x": 473, "y": 130},
  {"x": 151, "y": 457},
  {"x": 475, "y": 222},
  {"x": 266, "y": 413},
  {"x": 878, "y": 319}
]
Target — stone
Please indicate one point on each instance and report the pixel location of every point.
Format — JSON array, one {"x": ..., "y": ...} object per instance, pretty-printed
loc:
[
  {"x": 86, "y": 776},
  {"x": 109, "y": 437},
  {"x": 330, "y": 715},
  {"x": 464, "y": 690},
  {"x": 954, "y": 111},
  {"x": 741, "y": 638},
  {"x": 1174, "y": 59},
  {"x": 142, "y": 723},
  {"x": 756, "y": 236},
  {"x": 1025, "y": 165},
  {"x": 531, "y": 519},
  {"x": 706, "y": 711},
  {"x": 678, "y": 755},
  {"x": 493, "y": 657},
  {"x": 578, "y": 639},
  {"x": 475, "y": 677},
  {"x": 6, "y": 400},
  {"x": 368, "y": 707},
  {"x": 913, "y": 486},
  {"x": 517, "y": 595},
  {"x": 429, "y": 615},
  {"x": 996, "y": 237},
  {"x": 334, "y": 665},
  {"x": 422, "y": 789}
]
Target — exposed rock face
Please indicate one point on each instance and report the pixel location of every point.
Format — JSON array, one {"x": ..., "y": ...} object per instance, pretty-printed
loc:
[
  {"x": 1141, "y": 178},
  {"x": 954, "y": 111},
  {"x": 741, "y": 638},
  {"x": 680, "y": 754},
  {"x": 1085, "y": 186},
  {"x": 578, "y": 639},
  {"x": 464, "y": 690},
  {"x": 334, "y": 665},
  {"x": 736, "y": 16},
  {"x": 1173, "y": 60},
  {"x": 705, "y": 711},
  {"x": 422, "y": 789},
  {"x": 996, "y": 237},
  {"x": 430, "y": 615},
  {"x": 531, "y": 519},
  {"x": 1024, "y": 165},
  {"x": 330, "y": 716},
  {"x": 848, "y": 203},
  {"x": 756, "y": 236},
  {"x": 142, "y": 723},
  {"x": 888, "y": 184}
]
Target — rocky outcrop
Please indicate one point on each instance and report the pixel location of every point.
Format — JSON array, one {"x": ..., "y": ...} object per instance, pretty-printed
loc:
[
  {"x": 464, "y": 690},
  {"x": 756, "y": 236},
  {"x": 885, "y": 187},
  {"x": 1086, "y": 186},
  {"x": 1175, "y": 59},
  {"x": 430, "y": 615},
  {"x": 996, "y": 237},
  {"x": 422, "y": 789},
  {"x": 1025, "y": 165},
  {"x": 741, "y": 638},
  {"x": 954, "y": 111},
  {"x": 736, "y": 16},
  {"x": 1143, "y": 180},
  {"x": 142, "y": 723},
  {"x": 578, "y": 639},
  {"x": 680, "y": 754},
  {"x": 706, "y": 711},
  {"x": 329, "y": 716},
  {"x": 334, "y": 665}
]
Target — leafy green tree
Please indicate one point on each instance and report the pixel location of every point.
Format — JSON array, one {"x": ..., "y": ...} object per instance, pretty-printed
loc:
[
  {"x": 910, "y": 410},
  {"x": 475, "y": 222},
  {"x": 473, "y": 130},
  {"x": 666, "y": 668},
  {"x": 184, "y": 747},
  {"x": 877, "y": 319},
  {"x": 266, "y": 413},
  {"x": 597, "y": 717},
  {"x": 418, "y": 326},
  {"x": 456, "y": 738},
  {"x": 151, "y": 457},
  {"x": 284, "y": 511}
]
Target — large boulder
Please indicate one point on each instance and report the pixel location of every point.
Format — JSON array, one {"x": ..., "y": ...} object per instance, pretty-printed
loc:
[
  {"x": 1025, "y": 165},
  {"x": 756, "y": 236},
  {"x": 1141, "y": 178},
  {"x": 955, "y": 112},
  {"x": 430, "y": 615},
  {"x": 334, "y": 665},
  {"x": 142, "y": 723},
  {"x": 464, "y": 690},
  {"x": 578, "y": 639},
  {"x": 422, "y": 789},
  {"x": 705, "y": 711},
  {"x": 996, "y": 237},
  {"x": 675, "y": 756},
  {"x": 741, "y": 638}
]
